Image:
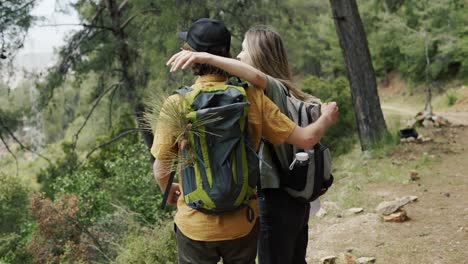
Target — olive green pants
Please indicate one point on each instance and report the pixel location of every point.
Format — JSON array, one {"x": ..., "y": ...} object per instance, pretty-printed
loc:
[{"x": 237, "y": 251}]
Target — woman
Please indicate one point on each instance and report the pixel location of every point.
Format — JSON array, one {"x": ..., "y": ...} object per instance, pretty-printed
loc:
[{"x": 263, "y": 62}]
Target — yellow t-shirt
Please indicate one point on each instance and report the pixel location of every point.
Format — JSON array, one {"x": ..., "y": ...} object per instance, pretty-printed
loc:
[{"x": 265, "y": 120}]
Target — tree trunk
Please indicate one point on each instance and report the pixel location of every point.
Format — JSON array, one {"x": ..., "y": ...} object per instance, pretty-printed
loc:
[
  {"x": 428, "y": 104},
  {"x": 369, "y": 117},
  {"x": 126, "y": 57}
]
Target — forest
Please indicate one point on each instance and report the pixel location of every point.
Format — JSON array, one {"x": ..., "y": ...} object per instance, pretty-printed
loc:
[{"x": 76, "y": 181}]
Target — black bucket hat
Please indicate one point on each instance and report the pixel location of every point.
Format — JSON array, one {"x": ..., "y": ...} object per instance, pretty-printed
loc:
[{"x": 205, "y": 34}]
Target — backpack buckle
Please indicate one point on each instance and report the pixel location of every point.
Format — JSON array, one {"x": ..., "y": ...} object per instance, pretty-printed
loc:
[{"x": 195, "y": 204}]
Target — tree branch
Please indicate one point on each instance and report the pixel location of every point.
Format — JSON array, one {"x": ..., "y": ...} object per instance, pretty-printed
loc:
[
  {"x": 24, "y": 6},
  {"x": 11, "y": 152},
  {"x": 116, "y": 138},
  {"x": 96, "y": 103},
  {"x": 67, "y": 53},
  {"x": 81, "y": 25},
  {"x": 122, "y": 5},
  {"x": 66, "y": 57},
  {"x": 111, "y": 101},
  {"x": 144, "y": 11},
  {"x": 19, "y": 142}
]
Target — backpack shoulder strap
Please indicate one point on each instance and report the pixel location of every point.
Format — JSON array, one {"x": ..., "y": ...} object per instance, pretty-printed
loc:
[
  {"x": 183, "y": 91},
  {"x": 168, "y": 189},
  {"x": 236, "y": 81}
]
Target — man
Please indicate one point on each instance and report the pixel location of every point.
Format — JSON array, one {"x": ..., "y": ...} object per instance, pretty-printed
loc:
[{"x": 206, "y": 238}]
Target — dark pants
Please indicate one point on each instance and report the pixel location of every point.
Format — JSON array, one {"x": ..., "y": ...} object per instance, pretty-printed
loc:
[
  {"x": 283, "y": 228},
  {"x": 237, "y": 251}
]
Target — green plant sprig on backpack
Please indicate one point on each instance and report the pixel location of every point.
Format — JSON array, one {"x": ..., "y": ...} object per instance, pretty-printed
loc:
[{"x": 172, "y": 115}]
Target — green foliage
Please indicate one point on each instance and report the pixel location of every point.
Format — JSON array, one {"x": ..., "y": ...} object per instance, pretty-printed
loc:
[
  {"x": 398, "y": 36},
  {"x": 129, "y": 178},
  {"x": 452, "y": 97},
  {"x": 13, "y": 247},
  {"x": 15, "y": 20},
  {"x": 67, "y": 110},
  {"x": 341, "y": 136},
  {"x": 62, "y": 236},
  {"x": 14, "y": 220},
  {"x": 156, "y": 244},
  {"x": 120, "y": 174},
  {"x": 13, "y": 204},
  {"x": 18, "y": 99},
  {"x": 9, "y": 121},
  {"x": 12, "y": 105},
  {"x": 388, "y": 142},
  {"x": 62, "y": 167}
]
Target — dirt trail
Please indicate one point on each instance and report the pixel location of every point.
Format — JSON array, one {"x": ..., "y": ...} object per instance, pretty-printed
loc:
[
  {"x": 437, "y": 231},
  {"x": 459, "y": 118}
]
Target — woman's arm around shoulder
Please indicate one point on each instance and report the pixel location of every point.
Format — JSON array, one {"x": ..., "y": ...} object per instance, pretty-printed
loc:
[{"x": 185, "y": 58}]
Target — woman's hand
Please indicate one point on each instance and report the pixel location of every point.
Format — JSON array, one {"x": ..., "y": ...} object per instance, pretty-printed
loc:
[
  {"x": 330, "y": 111},
  {"x": 185, "y": 58}
]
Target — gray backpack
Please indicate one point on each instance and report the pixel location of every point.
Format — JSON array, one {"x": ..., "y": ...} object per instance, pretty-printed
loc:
[
  {"x": 308, "y": 182},
  {"x": 305, "y": 182}
]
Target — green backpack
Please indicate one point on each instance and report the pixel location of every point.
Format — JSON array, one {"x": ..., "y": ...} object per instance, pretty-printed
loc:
[{"x": 224, "y": 170}]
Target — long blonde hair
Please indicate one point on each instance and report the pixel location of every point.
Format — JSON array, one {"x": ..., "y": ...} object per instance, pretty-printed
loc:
[{"x": 268, "y": 54}]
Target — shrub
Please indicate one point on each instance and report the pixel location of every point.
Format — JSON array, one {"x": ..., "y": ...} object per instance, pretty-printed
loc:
[
  {"x": 129, "y": 178},
  {"x": 13, "y": 247},
  {"x": 9, "y": 119},
  {"x": 13, "y": 204},
  {"x": 119, "y": 174},
  {"x": 60, "y": 235},
  {"x": 452, "y": 97},
  {"x": 14, "y": 221},
  {"x": 62, "y": 167},
  {"x": 156, "y": 244}
]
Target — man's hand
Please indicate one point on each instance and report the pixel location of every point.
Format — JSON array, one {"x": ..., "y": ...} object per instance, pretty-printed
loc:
[
  {"x": 330, "y": 112},
  {"x": 162, "y": 171},
  {"x": 185, "y": 58},
  {"x": 174, "y": 194}
]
